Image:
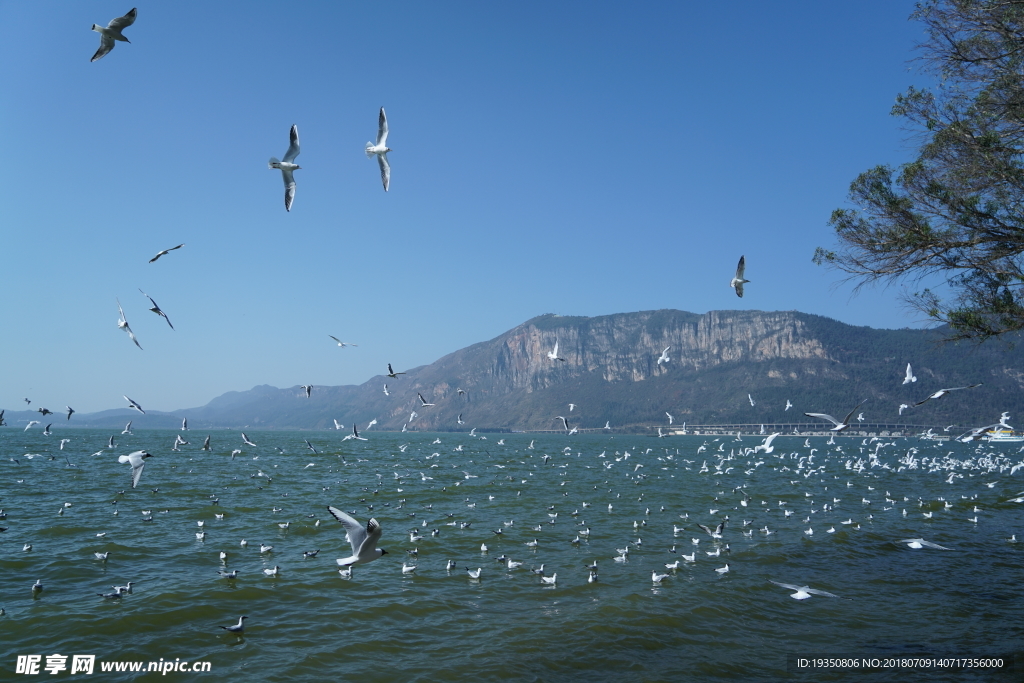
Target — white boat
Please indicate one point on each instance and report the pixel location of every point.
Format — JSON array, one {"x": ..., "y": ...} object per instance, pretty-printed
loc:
[{"x": 1003, "y": 436}]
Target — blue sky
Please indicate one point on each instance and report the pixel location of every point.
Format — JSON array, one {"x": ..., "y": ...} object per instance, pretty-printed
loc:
[{"x": 573, "y": 158}]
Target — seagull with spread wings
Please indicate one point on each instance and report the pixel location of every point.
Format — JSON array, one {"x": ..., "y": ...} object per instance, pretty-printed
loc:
[
  {"x": 123, "y": 324},
  {"x": 363, "y": 540},
  {"x": 341, "y": 343},
  {"x": 553, "y": 355},
  {"x": 423, "y": 400},
  {"x": 392, "y": 374},
  {"x": 156, "y": 309},
  {"x": 737, "y": 280},
  {"x": 138, "y": 462},
  {"x": 287, "y": 167},
  {"x": 942, "y": 392},
  {"x": 381, "y": 149},
  {"x": 664, "y": 356},
  {"x": 112, "y": 32},
  {"x": 839, "y": 426},
  {"x": 133, "y": 404},
  {"x": 165, "y": 252}
]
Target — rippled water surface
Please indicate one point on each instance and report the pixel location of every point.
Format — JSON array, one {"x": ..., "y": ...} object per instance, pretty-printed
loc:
[{"x": 309, "y": 623}]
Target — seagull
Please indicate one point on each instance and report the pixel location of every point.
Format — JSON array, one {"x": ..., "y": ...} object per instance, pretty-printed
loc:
[
  {"x": 839, "y": 426},
  {"x": 308, "y": 388},
  {"x": 112, "y": 32},
  {"x": 123, "y": 324},
  {"x": 127, "y": 428},
  {"x": 738, "y": 281},
  {"x": 549, "y": 580},
  {"x": 386, "y": 392},
  {"x": 803, "y": 592},
  {"x": 46, "y": 429},
  {"x": 474, "y": 574},
  {"x": 664, "y": 356},
  {"x": 272, "y": 572},
  {"x": 133, "y": 404},
  {"x": 233, "y": 574},
  {"x": 423, "y": 400},
  {"x": 942, "y": 392},
  {"x": 565, "y": 422},
  {"x": 354, "y": 435},
  {"x": 138, "y": 462},
  {"x": 716, "y": 532},
  {"x": 723, "y": 570},
  {"x": 903, "y": 406},
  {"x": 287, "y": 167},
  {"x": 341, "y": 343},
  {"x": 165, "y": 251},
  {"x": 910, "y": 376},
  {"x": 363, "y": 541},
  {"x": 788, "y": 405},
  {"x": 751, "y": 399},
  {"x": 918, "y": 543},
  {"x": 246, "y": 441},
  {"x": 237, "y": 628},
  {"x": 381, "y": 149},
  {"x": 71, "y": 411},
  {"x": 553, "y": 355},
  {"x": 658, "y": 578},
  {"x": 392, "y": 374},
  {"x": 156, "y": 309}
]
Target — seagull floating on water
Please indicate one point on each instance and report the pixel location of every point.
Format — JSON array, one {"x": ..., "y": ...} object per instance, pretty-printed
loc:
[{"x": 237, "y": 628}]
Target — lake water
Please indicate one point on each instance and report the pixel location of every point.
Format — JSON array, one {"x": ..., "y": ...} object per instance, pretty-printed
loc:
[{"x": 309, "y": 623}]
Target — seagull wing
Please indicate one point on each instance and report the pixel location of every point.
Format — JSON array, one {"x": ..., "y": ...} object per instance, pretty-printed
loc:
[
  {"x": 334, "y": 338},
  {"x": 106, "y": 45},
  {"x": 740, "y": 270},
  {"x": 293, "y": 148},
  {"x": 789, "y": 586},
  {"x": 706, "y": 528},
  {"x": 357, "y": 535},
  {"x": 385, "y": 170},
  {"x": 823, "y": 416},
  {"x": 124, "y": 22},
  {"x": 815, "y": 591},
  {"x": 382, "y": 132},
  {"x": 847, "y": 420},
  {"x": 289, "y": 188}
]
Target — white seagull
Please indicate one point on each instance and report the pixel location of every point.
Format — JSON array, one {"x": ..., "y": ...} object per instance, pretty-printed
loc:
[
  {"x": 165, "y": 251},
  {"x": 237, "y": 628},
  {"x": 381, "y": 149},
  {"x": 138, "y": 462},
  {"x": 246, "y": 441},
  {"x": 341, "y": 343},
  {"x": 363, "y": 541},
  {"x": 553, "y": 355},
  {"x": 423, "y": 400},
  {"x": 942, "y": 392},
  {"x": 918, "y": 543},
  {"x": 287, "y": 167},
  {"x": 354, "y": 435},
  {"x": 133, "y": 404},
  {"x": 664, "y": 356},
  {"x": 910, "y": 376},
  {"x": 112, "y": 32},
  {"x": 738, "y": 281},
  {"x": 804, "y": 592},
  {"x": 156, "y": 309},
  {"x": 123, "y": 324},
  {"x": 839, "y": 426}
]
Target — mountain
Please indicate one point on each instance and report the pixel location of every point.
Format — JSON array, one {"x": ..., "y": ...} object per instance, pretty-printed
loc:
[{"x": 611, "y": 373}]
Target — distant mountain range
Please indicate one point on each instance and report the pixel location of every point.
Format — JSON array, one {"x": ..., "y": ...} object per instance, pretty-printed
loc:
[{"x": 610, "y": 372}]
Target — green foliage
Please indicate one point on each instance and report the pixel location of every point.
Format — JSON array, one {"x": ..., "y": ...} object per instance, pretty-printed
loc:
[{"x": 957, "y": 211}]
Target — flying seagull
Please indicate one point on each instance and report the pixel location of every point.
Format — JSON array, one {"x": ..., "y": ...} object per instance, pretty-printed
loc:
[
  {"x": 287, "y": 167},
  {"x": 123, "y": 324},
  {"x": 156, "y": 309},
  {"x": 664, "y": 356},
  {"x": 165, "y": 251},
  {"x": 363, "y": 541},
  {"x": 423, "y": 400},
  {"x": 341, "y": 343},
  {"x": 942, "y": 392},
  {"x": 112, "y": 32},
  {"x": 839, "y": 426},
  {"x": 803, "y": 592},
  {"x": 71, "y": 411},
  {"x": 918, "y": 543},
  {"x": 2, "y": 423},
  {"x": 308, "y": 388},
  {"x": 184, "y": 424},
  {"x": 206, "y": 444},
  {"x": 128, "y": 428},
  {"x": 138, "y": 462},
  {"x": 392, "y": 374},
  {"x": 565, "y": 422},
  {"x": 133, "y": 404},
  {"x": 553, "y": 355},
  {"x": 738, "y": 281},
  {"x": 44, "y": 411},
  {"x": 386, "y": 393},
  {"x": 353, "y": 435},
  {"x": 716, "y": 532},
  {"x": 381, "y": 149},
  {"x": 246, "y": 441},
  {"x": 910, "y": 376}
]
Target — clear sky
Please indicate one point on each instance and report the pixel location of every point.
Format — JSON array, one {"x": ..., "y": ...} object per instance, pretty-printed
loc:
[{"x": 580, "y": 158}]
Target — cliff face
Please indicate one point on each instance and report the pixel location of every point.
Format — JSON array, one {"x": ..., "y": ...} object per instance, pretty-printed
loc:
[{"x": 718, "y": 363}]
